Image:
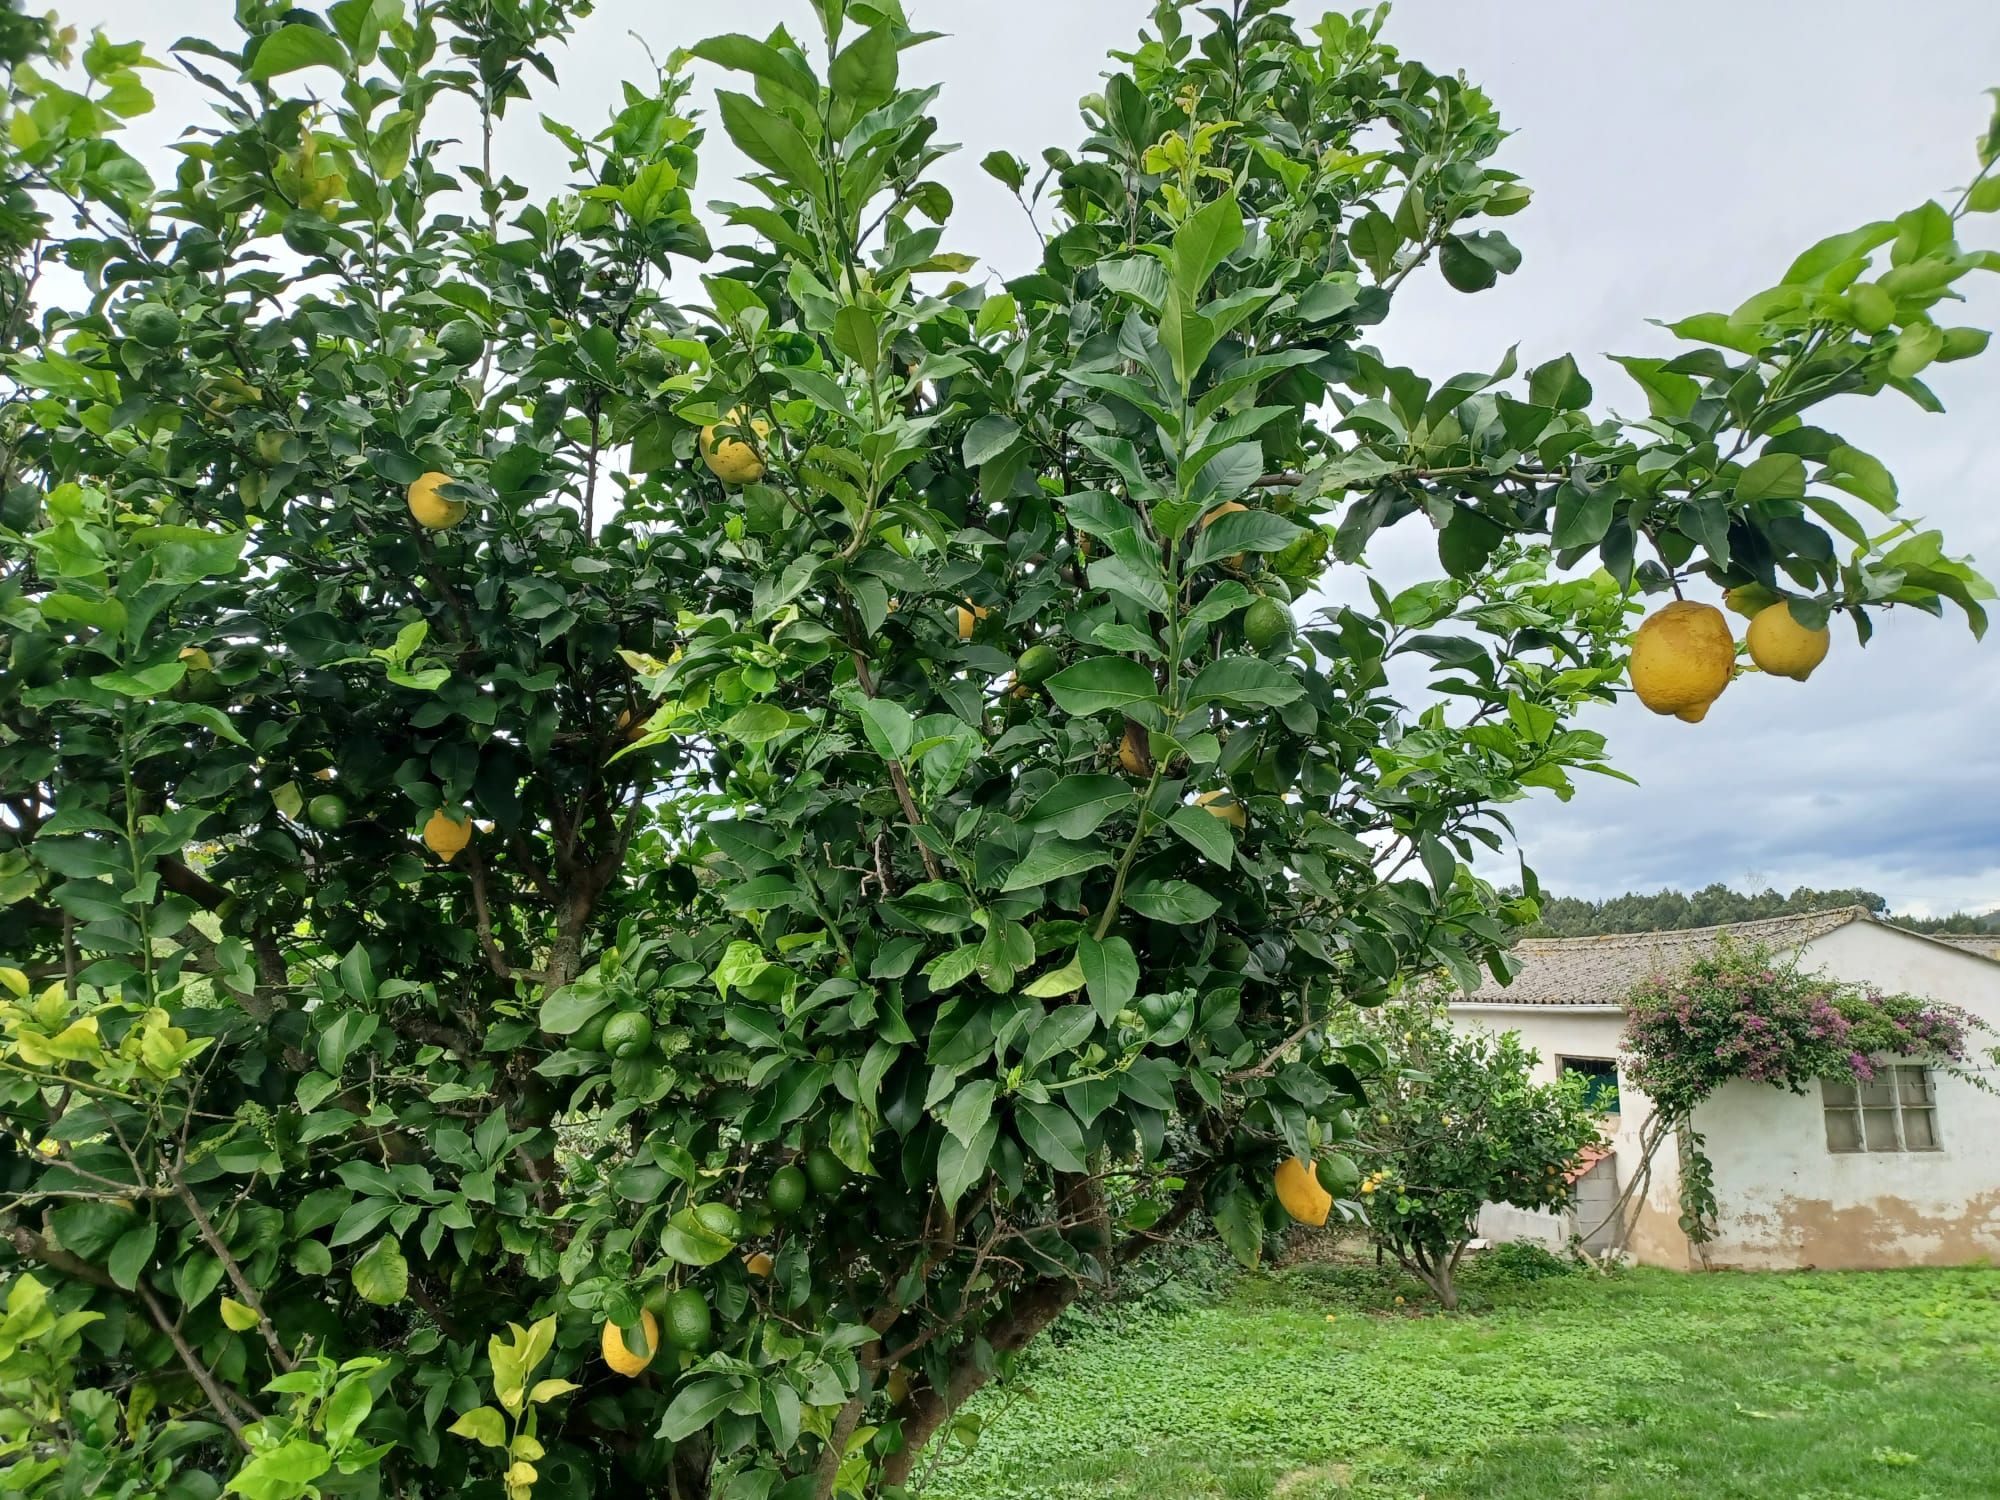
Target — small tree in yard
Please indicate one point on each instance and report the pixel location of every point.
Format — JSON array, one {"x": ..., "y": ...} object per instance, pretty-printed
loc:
[
  {"x": 1457, "y": 1120},
  {"x": 623, "y": 866}
]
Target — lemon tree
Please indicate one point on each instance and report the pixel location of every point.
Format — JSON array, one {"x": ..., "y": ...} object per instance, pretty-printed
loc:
[
  {"x": 1457, "y": 1120},
  {"x": 735, "y": 829}
]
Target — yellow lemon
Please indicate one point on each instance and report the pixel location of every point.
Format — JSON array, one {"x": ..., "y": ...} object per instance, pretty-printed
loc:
[
  {"x": 758, "y": 1264},
  {"x": 1780, "y": 645},
  {"x": 1299, "y": 1191},
  {"x": 621, "y": 1358},
  {"x": 1135, "y": 751},
  {"x": 445, "y": 835},
  {"x": 1222, "y": 805},
  {"x": 1228, "y": 507},
  {"x": 968, "y": 616},
  {"x": 732, "y": 460},
  {"x": 433, "y": 511},
  {"x": 197, "y": 659},
  {"x": 1682, "y": 658}
]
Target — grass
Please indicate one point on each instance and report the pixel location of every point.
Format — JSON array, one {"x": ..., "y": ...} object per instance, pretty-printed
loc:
[{"x": 1314, "y": 1385}]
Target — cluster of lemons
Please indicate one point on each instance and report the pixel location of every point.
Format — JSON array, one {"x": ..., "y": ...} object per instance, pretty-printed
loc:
[{"x": 1685, "y": 655}]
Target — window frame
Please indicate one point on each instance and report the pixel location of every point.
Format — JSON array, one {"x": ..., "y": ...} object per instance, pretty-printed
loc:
[
  {"x": 1563, "y": 1061},
  {"x": 1905, "y": 1099}
]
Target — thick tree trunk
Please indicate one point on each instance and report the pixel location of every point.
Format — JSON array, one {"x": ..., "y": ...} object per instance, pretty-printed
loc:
[{"x": 928, "y": 1410}]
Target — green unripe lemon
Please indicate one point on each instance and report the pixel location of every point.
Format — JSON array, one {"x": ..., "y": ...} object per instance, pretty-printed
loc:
[
  {"x": 786, "y": 1193},
  {"x": 1339, "y": 1175},
  {"x": 685, "y": 1321},
  {"x": 1266, "y": 623},
  {"x": 154, "y": 326},
  {"x": 326, "y": 812},
  {"x": 826, "y": 1172},
  {"x": 720, "y": 1219},
  {"x": 462, "y": 341},
  {"x": 1870, "y": 306},
  {"x": 1038, "y": 664},
  {"x": 628, "y": 1033},
  {"x": 589, "y": 1037}
]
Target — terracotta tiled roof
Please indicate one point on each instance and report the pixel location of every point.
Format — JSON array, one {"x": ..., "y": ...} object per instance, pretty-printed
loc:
[{"x": 1602, "y": 970}]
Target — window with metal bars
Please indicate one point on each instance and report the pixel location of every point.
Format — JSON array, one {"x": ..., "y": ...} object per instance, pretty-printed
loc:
[{"x": 1895, "y": 1110}]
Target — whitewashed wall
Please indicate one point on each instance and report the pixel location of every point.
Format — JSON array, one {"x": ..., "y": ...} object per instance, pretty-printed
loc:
[{"x": 1784, "y": 1199}]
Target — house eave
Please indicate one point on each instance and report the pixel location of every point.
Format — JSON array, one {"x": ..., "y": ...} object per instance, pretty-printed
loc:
[{"x": 1538, "y": 1007}]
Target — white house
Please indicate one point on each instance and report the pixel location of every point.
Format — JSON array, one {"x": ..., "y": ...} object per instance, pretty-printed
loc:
[{"x": 1904, "y": 1171}]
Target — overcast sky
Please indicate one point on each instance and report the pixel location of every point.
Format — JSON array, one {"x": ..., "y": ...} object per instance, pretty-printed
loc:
[{"x": 1681, "y": 151}]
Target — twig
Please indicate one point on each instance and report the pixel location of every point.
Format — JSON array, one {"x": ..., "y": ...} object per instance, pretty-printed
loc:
[
  {"x": 231, "y": 1268},
  {"x": 482, "y": 917}
]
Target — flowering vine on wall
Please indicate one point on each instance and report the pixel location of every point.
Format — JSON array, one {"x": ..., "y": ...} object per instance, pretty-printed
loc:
[{"x": 1741, "y": 1012}]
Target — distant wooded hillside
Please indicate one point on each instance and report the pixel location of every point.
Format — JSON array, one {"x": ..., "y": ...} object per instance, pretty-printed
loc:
[{"x": 1665, "y": 911}]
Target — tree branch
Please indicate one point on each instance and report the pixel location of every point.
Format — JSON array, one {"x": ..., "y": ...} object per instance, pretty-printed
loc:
[{"x": 232, "y": 1269}]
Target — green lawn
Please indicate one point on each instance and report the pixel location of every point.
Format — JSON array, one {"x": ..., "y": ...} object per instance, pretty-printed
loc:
[{"x": 1641, "y": 1386}]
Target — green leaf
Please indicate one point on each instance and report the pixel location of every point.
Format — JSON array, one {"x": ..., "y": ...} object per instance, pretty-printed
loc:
[
  {"x": 1582, "y": 516},
  {"x": 1239, "y": 1221},
  {"x": 1075, "y": 806},
  {"x": 1837, "y": 250},
  {"x": 132, "y": 1254},
  {"x": 1243, "y": 531},
  {"x": 1173, "y": 901},
  {"x": 961, "y": 1164},
  {"x": 971, "y": 1107},
  {"x": 687, "y": 1240},
  {"x": 346, "y": 1409},
  {"x": 1558, "y": 385},
  {"x": 1005, "y": 168},
  {"x": 863, "y": 75},
  {"x": 1245, "y": 681},
  {"x": 1861, "y": 474},
  {"x": 382, "y": 1276},
  {"x": 744, "y": 54},
  {"x": 290, "y": 48},
  {"x": 1111, "y": 971},
  {"x": 285, "y": 1472},
  {"x": 1208, "y": 833},
  {"x": 988, "y": 438},
  {"x": 1101, "y": 684},
  {"x": 1775, "y": 476},
  {"x": 1054, "y": 860},
  {"x": 769, "y": 139},
  {"x": 571, "y": 1006},
  {"x": 1203, "y": 243},
  {"x": 758, "y": 722},
  {"x": 1669, "y": 394},
  {"x": 890, "y": 729},
  {"x": 698, "y": 1403},
  {"x": 1051, "y": 1132}
]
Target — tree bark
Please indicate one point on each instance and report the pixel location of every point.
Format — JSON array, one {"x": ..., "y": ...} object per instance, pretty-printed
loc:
[{"x": 928, "y": 1410}]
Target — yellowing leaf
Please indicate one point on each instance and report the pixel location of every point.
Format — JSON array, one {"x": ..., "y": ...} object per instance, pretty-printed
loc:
[
  {"x": 1064, "y": 981},
  {"x": 548, "y": 1390},
  {"x": 483, "y": 1425},
  {"x": 238, "y": 1317}
]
